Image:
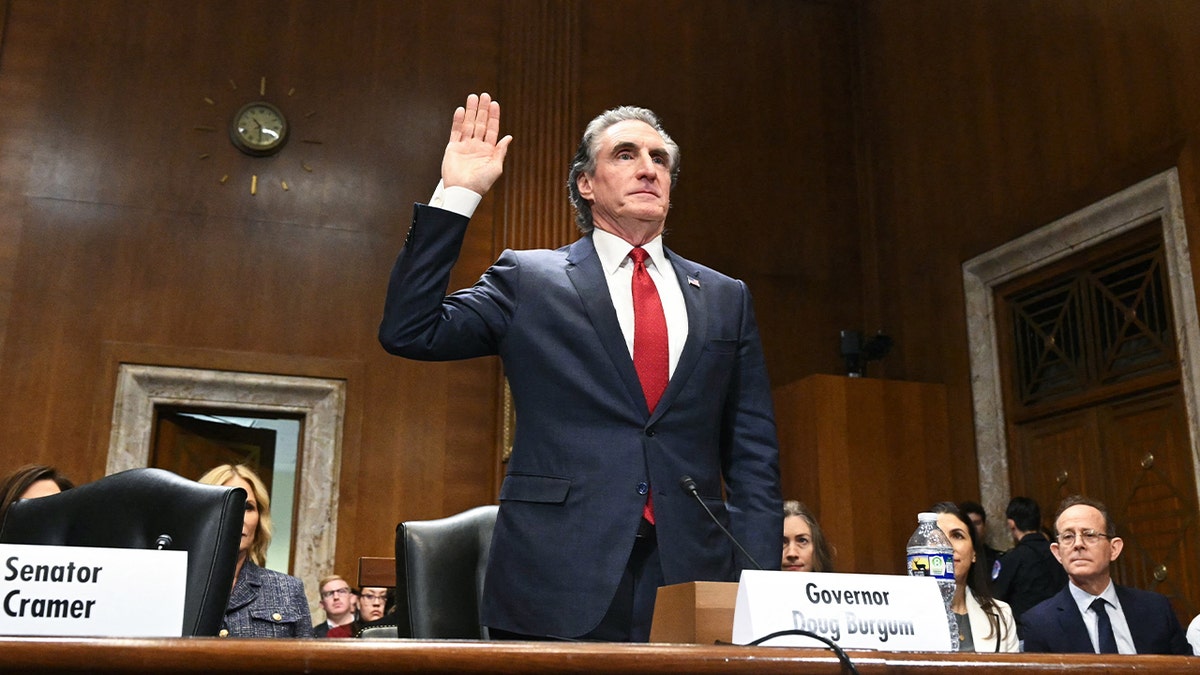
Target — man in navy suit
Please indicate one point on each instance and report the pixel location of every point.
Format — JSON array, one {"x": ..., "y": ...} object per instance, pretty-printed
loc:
[
  {"x": 1092, "y": 614},
  {"x": 593, "y": 518}
]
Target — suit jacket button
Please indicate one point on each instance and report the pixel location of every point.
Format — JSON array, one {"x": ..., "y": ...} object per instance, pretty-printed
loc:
[
  {"x": 277, "y": 616},
  {"x": 650, "y": 431},
  {"x": 643, "y": 488}
]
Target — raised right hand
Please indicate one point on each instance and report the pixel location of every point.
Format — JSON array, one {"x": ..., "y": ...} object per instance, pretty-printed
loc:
[{"x": 474, "y": 157}]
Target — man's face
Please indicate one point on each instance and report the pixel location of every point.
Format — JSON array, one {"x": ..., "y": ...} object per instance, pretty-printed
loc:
[
  {"x": 632, "y": 180},
  {"x": 1086, "y": 562},
  {"x": 980, "y": 526},
  {"x": 336, "y": 598}
]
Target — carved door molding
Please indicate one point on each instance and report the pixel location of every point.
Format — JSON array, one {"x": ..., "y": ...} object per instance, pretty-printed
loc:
[{"x": 1156, "y": 198}]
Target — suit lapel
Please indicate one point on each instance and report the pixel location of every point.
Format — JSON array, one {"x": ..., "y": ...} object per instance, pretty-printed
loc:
[
  {"x": 688, "y": 278},
  {"x": 246, "y": 588},
  {"x": 1070, "y": 620},
  {"x": 586, "y": 274}
]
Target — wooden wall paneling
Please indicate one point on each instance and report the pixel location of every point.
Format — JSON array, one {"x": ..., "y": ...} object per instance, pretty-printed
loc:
[
  {"x": 539, "y": 100},
  {"x": 866, "y": 455},
  {"x": 989, "y": 119},
  {"x": 125, "y": 235},
  {"x": 758, "y": 97}
]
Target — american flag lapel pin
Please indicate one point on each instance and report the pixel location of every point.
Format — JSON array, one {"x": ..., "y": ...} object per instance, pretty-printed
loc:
[{"x": 693, "y": 281}]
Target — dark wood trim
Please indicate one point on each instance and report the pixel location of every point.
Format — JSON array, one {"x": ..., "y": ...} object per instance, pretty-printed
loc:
[
  {"x": 376, "y": 572},
  {"x": 328, "y": 657}
]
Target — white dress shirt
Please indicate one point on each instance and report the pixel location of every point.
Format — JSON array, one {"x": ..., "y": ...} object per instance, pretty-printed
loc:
[{"x": 618, "y": 271}]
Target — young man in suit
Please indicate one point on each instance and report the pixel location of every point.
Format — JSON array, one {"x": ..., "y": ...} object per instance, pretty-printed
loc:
[
  {"x": 1092, "y": 614},
  {"x": 631, "y": 368}
]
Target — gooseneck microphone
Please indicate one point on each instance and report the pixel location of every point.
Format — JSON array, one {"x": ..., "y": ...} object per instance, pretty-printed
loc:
[
  {"x": 163, "y": 541},
  {"x": 689, "y": 486}
]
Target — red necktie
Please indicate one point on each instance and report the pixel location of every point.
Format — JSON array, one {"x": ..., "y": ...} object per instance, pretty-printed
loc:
[{"x": 651, "y": 354}]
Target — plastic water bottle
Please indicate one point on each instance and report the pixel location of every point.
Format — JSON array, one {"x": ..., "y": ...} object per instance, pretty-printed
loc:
[{"x": 930, "y": 554}]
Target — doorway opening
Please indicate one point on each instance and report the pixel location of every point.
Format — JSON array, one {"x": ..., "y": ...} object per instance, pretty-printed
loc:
[{"x": 190, "y": 441}]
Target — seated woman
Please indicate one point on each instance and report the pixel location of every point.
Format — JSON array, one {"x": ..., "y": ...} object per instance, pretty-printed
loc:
[
  {"x": 263, "y": 603},
  {"x": 984, "y": 623},
  {"x": 805, "y": 548},
  {"x": 29, "y": 482}
]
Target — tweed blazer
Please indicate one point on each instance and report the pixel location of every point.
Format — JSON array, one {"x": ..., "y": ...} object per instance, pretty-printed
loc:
[{"x": 266, "y": 603}]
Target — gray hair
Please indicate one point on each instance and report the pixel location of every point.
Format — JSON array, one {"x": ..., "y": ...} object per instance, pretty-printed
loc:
[{"x": 584, "y": 161}]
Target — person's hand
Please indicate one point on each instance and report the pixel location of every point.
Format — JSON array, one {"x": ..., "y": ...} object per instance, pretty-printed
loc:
[{"x": 474, "y": 158}]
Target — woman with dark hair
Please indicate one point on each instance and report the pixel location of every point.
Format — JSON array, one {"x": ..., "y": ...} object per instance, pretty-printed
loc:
[
  {"x": 263, "y": 602},
  {"x": 29, "y": 482},
  {"x": 984, "y": 623},
  {"x": 805, "y": 548}
]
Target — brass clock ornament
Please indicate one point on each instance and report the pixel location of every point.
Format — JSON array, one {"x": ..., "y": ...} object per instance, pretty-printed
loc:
[{"x": 259, "y": 129}]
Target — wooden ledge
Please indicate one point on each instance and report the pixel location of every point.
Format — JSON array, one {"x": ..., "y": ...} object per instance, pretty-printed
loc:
[{"x": 37, "y": 656}]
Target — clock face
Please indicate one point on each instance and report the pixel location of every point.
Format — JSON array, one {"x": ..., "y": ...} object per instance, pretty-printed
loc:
[{"x": 258, "y": 129}]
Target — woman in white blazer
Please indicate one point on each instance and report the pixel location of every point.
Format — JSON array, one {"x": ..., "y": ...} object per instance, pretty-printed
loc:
[{"x": 985, "y": 623}]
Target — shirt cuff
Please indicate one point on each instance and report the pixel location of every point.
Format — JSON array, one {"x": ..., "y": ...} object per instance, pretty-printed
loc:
[{"x": 456, "y": 199}]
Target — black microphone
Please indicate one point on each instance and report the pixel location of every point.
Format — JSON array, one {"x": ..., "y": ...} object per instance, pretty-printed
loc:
[
  {"x": 689, "y": 486},
  {"x": 163, "y": 541}
]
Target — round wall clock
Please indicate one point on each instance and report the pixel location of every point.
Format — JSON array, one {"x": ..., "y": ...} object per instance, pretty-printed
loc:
[{"x": 258, "y": 129}]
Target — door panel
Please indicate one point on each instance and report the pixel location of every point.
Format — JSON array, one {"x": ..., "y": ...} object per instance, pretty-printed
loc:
[
  {"x": 1056, "y": 457},
  {"x": 1133, "y": 454},
  {"x": 1152, "y": 495}
]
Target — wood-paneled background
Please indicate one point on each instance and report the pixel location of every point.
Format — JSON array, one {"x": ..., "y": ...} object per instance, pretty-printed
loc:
[{"x": 844, "y": 158}]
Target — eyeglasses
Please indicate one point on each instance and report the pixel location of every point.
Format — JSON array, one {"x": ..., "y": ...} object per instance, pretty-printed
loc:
[
  {"x": 1089, "y": 538},
  {"x": 371, "y": 597},
  {"x": 336, "y": 591}
]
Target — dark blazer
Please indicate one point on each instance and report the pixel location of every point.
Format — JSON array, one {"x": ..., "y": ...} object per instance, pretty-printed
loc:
[
  {"x": 266, "y": 603},
  {"x": 1029, "y": 574},
  {"x": 585, "y": 446},
  {"x": 1056, "y": 625}
]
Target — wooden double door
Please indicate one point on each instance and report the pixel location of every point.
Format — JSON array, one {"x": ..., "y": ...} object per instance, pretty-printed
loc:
[
  {"x": 1133, "y": 453},
  {"x": 1095, "y": 405}
]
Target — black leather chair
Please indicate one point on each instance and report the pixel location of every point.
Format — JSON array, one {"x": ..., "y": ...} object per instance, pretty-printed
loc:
[
  {"x": 439, "y": 575},
  {"x": 132, "y": 509}
]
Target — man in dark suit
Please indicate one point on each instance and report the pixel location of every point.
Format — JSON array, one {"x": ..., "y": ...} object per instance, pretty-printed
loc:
[
  {"x": 1092, "y": 614},
  {"x": 1029, "y": 573},
  {"x": 630, "y": 368}
]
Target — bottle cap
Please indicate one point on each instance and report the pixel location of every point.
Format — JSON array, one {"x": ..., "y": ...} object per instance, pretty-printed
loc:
[{"x": 926, "y": 515}]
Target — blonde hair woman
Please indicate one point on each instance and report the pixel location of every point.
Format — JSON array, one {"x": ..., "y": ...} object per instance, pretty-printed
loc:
[{"x": 263, "y": 602}]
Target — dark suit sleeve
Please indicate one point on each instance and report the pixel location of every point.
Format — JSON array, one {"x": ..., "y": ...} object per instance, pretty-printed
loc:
[
  {"x": 1040, "y": 628},
  {"x": 419, "y": 320},
  {"x": 750, "y": 449},
  {"x": 1002, "y": 584},
  {"x": 1175, "y": 638}
]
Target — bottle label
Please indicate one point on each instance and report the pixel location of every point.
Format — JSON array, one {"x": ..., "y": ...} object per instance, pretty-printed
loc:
[{"x": 938, "y": 565}]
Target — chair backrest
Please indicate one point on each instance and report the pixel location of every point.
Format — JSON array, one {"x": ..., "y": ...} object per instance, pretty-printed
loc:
[
  {"x": 131, "y": 509},
  {"x": 439, "y": 574}
]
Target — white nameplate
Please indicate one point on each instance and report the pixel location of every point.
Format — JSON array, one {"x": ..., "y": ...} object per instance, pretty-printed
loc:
[
  {"x": 97, "y": 592},
  {"x": 894, "y": 613}
]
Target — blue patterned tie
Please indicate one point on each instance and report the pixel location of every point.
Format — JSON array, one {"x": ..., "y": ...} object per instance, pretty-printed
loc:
[{"x": 1104, "y": 630}]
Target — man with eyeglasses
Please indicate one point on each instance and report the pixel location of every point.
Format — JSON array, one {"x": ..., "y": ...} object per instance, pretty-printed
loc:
[
  {"x": 1092, "y": 614},
  {"x": 338, "y": 601}
]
